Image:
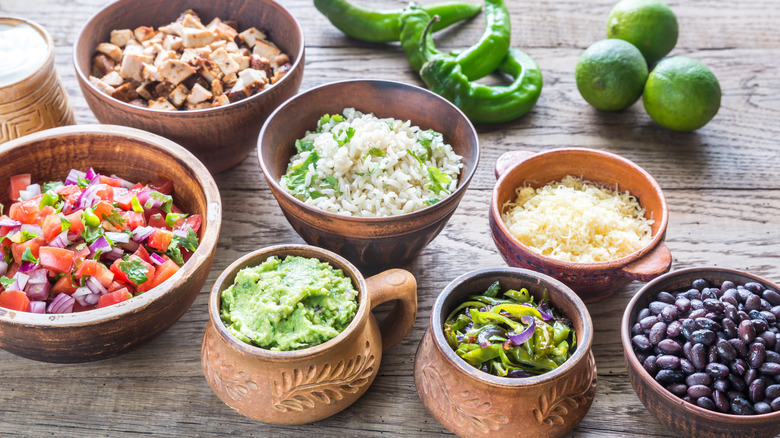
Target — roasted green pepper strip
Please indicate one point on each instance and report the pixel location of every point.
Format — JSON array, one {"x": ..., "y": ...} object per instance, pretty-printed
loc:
[
  {"x": 484, "y": 57},
  {"x": 385, "y": 26}
]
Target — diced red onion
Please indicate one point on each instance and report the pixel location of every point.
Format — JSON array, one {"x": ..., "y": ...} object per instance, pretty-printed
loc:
[
  {"x": 80, "y": 294},
  {"x": 142, "y": 233},
  {"x": 38, "y": 307},
  {"x": 518, "y": 373},
  {"x": 73, "y": 177},
  {"x": 100, "y": 244},
  {"x": 118, "y": 237},
  {"x": 525, "y": 335},
  {"x": 34, "y": 229},
  {"x": 13, "y": 231},
  {"x": 545, "y": 311},
  {"x": 62, "y": 303},
  {"x": 120, "y": 191},
  {"x": 91, "y": 175},
  {"x": 30, "y": 192},
  {"x": 130, "y": 246},
  {"x": 156, "y": 259},
  {"x": 21, "y": 280},
  {"x": 67, "y": 208},
  {"x": 125, "y": 183},
  {"x": 94, "y": 285},
  {"x": 143, "y": 196},
  {"x": 114, "y": 254},
  {"x": 61, "y": 241},
  {"x": 38, "y": 291},
  {"x": 13, "y": 286},
  {"x": 3, "y": 266},
  {"x": 92, "y": 299},
  {"x": 38, "y": 276},
  {"x": 26, "y": 267},
  {"x": 8, "y": 222},
  {"x": 88, "y": 198}
]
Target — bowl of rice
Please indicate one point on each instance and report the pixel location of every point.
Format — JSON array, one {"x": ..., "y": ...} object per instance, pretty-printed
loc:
[
  {"x": 369, "y": 169},
  {"x": 593, "y": 220}
]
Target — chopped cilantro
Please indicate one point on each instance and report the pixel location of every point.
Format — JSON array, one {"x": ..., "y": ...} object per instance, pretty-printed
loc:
[
  {"x": 390, "y": 124},
  {"x": 166, "y": 200},
  {"x": 343, "y": 137},
  {"x": 303, "y": 146},
  {"x": 81, "y": 182},
  {"x": 28, "y": 257},
  {"x": 416, "y": 157},
  {"x": 432, "y": 201},
  {"x": 52, "y": 185},
  {"x": 314, "y": 194},
  {"x": 438, "y": 180},
  {"x": 91, "y": 234},
  {"x": 22, "y": 236},
  {"x": 115, "y": 219},
  {"x": 374, "y": 152},
  {"x": 5, "y": 281},
  {"x": 174, "y": 252},
  {"x": 371, "y": 172},
  {"x": 65, "y": 224},
  {"x": 190, "y": 242},
  {"x": 135, "y": 270},
  {"x": 81, "y": 246},
  {"x": 331, "y": 181}
]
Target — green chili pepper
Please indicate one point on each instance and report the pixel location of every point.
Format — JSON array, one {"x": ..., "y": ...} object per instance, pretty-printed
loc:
[
  {"x": 384, "y": 26},
  {"x": 483, "y": 104},
  {"x": 484, "y": 57}
]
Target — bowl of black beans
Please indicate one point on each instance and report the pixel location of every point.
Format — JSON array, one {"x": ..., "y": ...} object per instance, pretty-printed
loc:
[{"x": 702, "y": 350}]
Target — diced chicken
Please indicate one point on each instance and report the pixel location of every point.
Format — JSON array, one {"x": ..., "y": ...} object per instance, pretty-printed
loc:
[
  {"x": 163, "y": 56},
  {"x": 125, "y": 93},
  {"x": 281, "y": 59},
  {"x": 257, "y": 62},
  {"x": 251, "y": 36},
  {"x": 224, "y": 61},
  {"x": 220, "y": 101},
  {"x": 111, "y": 50},
  {"x": 192, "y": 21},
  {"x": 132, "y": 66},
  {"x": 163, "y": 88},
  {"x": 229, "y": 80},
  {"x": 134, "y": 49},
  {"x": 198, "y": 95},
  {"x": 172, "y": 42},
  {"x": 189, "y": 56},
  {"x": 209, "y": 70},
  {"x": 217, "y": 44},
  {"x": 158, "y": 37},
  {"x": 213, "y": 24},
  {"x": 101, "y": 85},
  {"x": 161, "y": 104},
  {"x": 237, "y": 92},
  {"x": 121, "y": 37},
  {"x": 113, "y": 78},
  {"x": 143, "y": 33},
  {"x": 145, "y": 90},
  {"x": 196, "y": 37},
  {"x": 178, "y": 95},
  {"x": 172, "y": 29},
  {"x": 151, "y": 52},
  {"x": 203, "y": 51},
  {"x": 266, "y": 51},
  {"x": 225, "y": 32},
  {"x": 197, "y": 106},
  {"x": 150, "y": 73},
  {"x": 139, "y": 102},
  {"x": 241, "y": 60},
  {"x": 281, "y": 72},
  {"x": 102, "y": 65},
  {"x": 175, "y": 71},
  {"x": 254, "y": 80},
  {"x": 216, "y": 87},
  {"x": 232, "y": 47}
]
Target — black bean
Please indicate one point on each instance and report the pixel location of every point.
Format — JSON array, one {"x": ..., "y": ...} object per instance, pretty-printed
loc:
[
  {"x": 670, "y": 346},
  {"x": 665, "y": 297},
  {"x": 725, "y": 350},
  {"x": 712, "y": 354},
  {"x": 730, "y": 296},
  {"x": 746, "y": 331},
  {"x": 770, "y": 339},
  {"x": 730, "y": 328},
  {"x": 683, "y": 304},
  {"x": 759, "y": 325},
  {"x": 687, "y": 349},
  {"x": 717, "y": 370},
  {"x": 740, "y": 406},
  {"x": 700, "y": 283},
  {"x": 772, "y": 296},
  {"x": 636, "y": 329},
  {"x": 704, "y": 336},
  {"x": 698, "y": 379},
  {"x": 674, "y": 329},
  {"x": 668, "y": 377},
  {"x": 668, "y": 362},
  {"x": 772, "y": 391},
  {"x": 721, "y": 385},
  {"x": 657, "y": 306},
  {"x": 657, "y": 333},
  {"x": 775, "y": 404},
  {"x": 731, "y": 313},
  {"x": 772, "y": 356},
  {"x": 753, "y": 303},
  {"x": 687, "y": 366},
  {"x": 754, "y": 287},
  {"x": 641, "y": 342},
  {"x": 756, "y": 391},
  {"x": 726, "y": 285},
  {"x": 688, "y": 399},
  {"x": 648, "y": 322},
  {"x": 688, "y": 327},
  {"x": 750, "y": 376},
  {"x": 739, "y": 367},
  {"x": 775, "y": 311},
  {"x": 708, "y": 293},
  {"x": 762, "y": 408},
  {"x": 697, "y": 313},
  {"x": 697, "y": 391},
  {"x": 739, "y": 346},
  {"x": 769, "y": 369},
  {"x": 650, "y": 365},
  {"x": 741, "y": 316},
  {"x": 767, "y": 316},
  {"x": 707, "y": 324},
  {"x": 669, "y": 313},
  {"x": 713, "y": 305},
  {"x": 698, "y": 356},
  {"x": 721, "y": 401},
  {"x": 756, "y": 354},
  {"x": 733, "y": 394},
  {"x": 678, "y": 389},
  {"x": 743, "y": 294},
  {"x": 737, "y": 383}
]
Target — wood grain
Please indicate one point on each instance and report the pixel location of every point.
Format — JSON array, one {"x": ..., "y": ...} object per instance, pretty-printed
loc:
[{"x": 721, "y": 184}]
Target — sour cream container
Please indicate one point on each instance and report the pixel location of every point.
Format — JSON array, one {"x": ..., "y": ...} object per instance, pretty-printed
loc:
[{"x": 32, "y": 97}]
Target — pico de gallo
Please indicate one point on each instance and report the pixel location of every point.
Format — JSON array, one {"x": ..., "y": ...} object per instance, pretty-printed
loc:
[{"x": 89, "y": 242}]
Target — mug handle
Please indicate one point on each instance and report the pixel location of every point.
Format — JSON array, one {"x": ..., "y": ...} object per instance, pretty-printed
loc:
[
  {"x": 510, "y": 159},
  {"x": 399, "y": 285},
  {"x": 653, "y": 264}
]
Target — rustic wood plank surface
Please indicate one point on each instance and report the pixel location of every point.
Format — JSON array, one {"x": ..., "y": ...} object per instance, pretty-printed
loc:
[{"x": 721, "y": 183}]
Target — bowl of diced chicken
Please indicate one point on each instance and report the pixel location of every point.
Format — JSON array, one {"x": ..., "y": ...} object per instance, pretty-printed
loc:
[{"x": 205, "y": 74}]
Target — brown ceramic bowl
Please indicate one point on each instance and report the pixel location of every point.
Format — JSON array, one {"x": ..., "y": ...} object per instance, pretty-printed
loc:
[
  {"x": 136, "y": 156},
  {"x": 472, "y": 403},
  {"x": 302, "y": 386},
  {"x": 387, "y": 241},
  {"x": 681, "y": 417},
  {"x": 220, "y": 137},
  {"x": 591, "y": 281}
]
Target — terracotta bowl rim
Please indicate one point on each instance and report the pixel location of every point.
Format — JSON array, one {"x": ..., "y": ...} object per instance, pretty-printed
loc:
[
  {"x": 262, "y": 254},
  {"x": 443, "y": 204},
  {"x": 206, "y": 245},
  {"x": 584, "y": 343},
  {"x": 561, "y": 265},
  {"x": 669, "y": 398},
  {"x": 98, "y": 16},
  {"x": 49, "y": 45}
]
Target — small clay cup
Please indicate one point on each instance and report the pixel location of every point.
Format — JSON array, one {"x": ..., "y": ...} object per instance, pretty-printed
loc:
[
  {"x": 303, "y": 386},
  {"x": 220, "y": 137},
  {"x": 36, "y": 102},
  {"x": 135, "y": 156},
  {"x": 472, "y": 403},
  {"x": 591, "y": 281},
  {"x": 681, "y": 417},
  {"x": 383, "y": 242}
]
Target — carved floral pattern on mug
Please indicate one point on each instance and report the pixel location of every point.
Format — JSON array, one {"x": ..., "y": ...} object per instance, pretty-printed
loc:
[
  {"x": 223, "y": 374},
  {"x": 578, "y": 391}
]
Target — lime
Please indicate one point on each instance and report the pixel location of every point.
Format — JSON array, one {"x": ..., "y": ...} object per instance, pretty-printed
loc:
[
  {"x": 648, "y": 24},
  {"x": 681, "y": 94},
  {"x": 611, "y": 74}
]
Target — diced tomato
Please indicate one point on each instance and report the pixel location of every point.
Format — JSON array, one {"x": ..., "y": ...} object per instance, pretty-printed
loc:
[
  {"x": 118, "y": 273},
  {"x": 103, "y": 209},
  {"x": 79, "y": 255},
  {"x": 133, "y": 220},
  {"x": 160, "y": 239},
  {"x": 76, "y": 225},
  {"x": 162, "y": 185},
  {"x": 105, "y": 192},
  {"x": 113, "y": 182},
  {"x": 158, "y": 221},
  {"x": 104, "y": 275},
  {"x": 15, "y": 300},
  {"x": 87, "y": 267},
  {"x": 45, "y": 212},
  {"x": 19, "y": 183},
  {"x": 34, "y": 244},
  {"x": 58, "y": 260},
  {"x": 13, "y": 268},
  {"x": 112, "y": 298},
  {"x": 64, "y": 285},
  {"x": 71, "y": 193},
  {"x": 194, "y": 221},
  {"x": 125, "y": 201},
  {"x": 175, "y": 209},
  {"x": 115, "y": 286},
  {"x": 143, "y": 254},
  {"x": 52, "y": 226},
  {"x": 26, "y": 212},
  {"x": 164, "y": 272}
]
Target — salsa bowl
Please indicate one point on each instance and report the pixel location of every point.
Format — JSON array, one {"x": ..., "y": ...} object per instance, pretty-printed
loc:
[{"x": 133, "y": 155}]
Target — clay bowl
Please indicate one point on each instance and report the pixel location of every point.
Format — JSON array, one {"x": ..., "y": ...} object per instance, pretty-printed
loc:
[
  {"x": 303, "y": 386},
  {"x": 367, "y": 242},
  {"x": 591, "y": 281},
  {"x": 136, "y": 156},
  {"x": 681, "y": 417},
  {"x": 472, "y": 403},
  {"x": 220, "y": 137}
]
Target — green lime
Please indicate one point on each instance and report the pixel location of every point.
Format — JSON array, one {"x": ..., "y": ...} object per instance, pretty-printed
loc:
[
  {"x": 648, "y": 24},
  {"x": 611, "y": 74},
  {"x": 681, "y": 94}
]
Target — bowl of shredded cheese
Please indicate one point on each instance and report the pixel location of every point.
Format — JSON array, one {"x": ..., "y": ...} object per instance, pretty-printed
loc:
[{"x": 594, "y": 220}]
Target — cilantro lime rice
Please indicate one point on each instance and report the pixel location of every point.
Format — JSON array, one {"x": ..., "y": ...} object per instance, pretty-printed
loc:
[{"x": 356, "y": 164}]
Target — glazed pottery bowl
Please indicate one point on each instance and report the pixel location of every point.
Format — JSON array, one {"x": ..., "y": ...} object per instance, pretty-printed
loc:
[
  {"x": 472, "y": 403},
  {"x": 302, "y": 386},
  {"x": 221, "y": 137},
  {"x": 38, "y": 100},
  {"x": 591, "y": 281},
  {"x": 135, "y": 156},
  {"x": 374, "y": 242},
  {"x": 681, "y": 417}
]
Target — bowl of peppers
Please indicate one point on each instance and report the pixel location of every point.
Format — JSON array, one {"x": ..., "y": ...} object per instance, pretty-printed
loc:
[{"x": 507, "y": 349}]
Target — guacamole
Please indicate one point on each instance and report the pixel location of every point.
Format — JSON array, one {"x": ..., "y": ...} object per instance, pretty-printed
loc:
[{"x": 289, "y": 304}]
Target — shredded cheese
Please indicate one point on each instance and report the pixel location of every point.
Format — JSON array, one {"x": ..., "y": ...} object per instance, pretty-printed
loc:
[{"x": 577, "y": 221}]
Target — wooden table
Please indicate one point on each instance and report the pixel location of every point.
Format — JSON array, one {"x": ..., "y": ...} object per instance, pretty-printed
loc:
[{"x": 722, "y": 184}]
